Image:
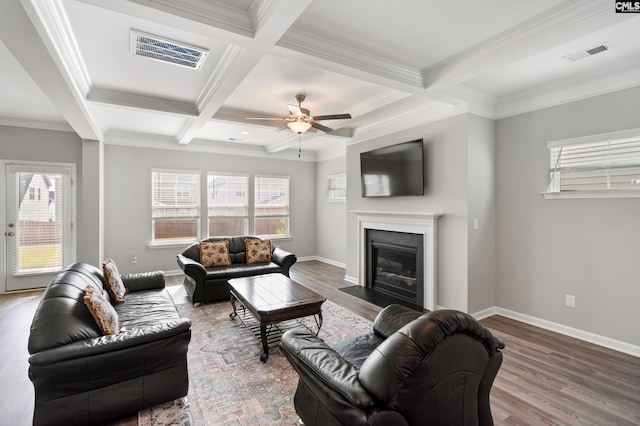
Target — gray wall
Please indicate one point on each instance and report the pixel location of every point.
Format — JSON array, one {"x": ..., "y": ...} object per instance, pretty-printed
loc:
[
  {"x": 446, "y": 192},
  {"x": 331, "y": 216},
  {"x": 482, "y": 206},
  {"x": 585, "y": 247},
  {"x": 128, "y": 200}
]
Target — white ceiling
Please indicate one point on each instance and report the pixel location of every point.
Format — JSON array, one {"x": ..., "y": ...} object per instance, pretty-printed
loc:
[{"x": 67, "y": 65}]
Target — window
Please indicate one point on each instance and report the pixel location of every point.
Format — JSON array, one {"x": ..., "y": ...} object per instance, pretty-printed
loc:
[
  {"x": 228, "y": 205},
  {"x": 271, "y": 207},
  {"x": 337, "y": 187},
  {"x": 175, "y": 206},
  {"x": 606, "y": 164}
]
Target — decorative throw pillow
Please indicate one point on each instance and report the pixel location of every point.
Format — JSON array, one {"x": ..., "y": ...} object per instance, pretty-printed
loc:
[
  {"x": 101, "y": 310},
  {"x": 114, "y": 282},
  {"x": 215, "y": 253},
  {"x": 258, "y": 251}
]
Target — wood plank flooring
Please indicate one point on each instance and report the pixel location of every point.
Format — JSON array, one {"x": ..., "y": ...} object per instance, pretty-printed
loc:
[{"x": 546, "y": 378}]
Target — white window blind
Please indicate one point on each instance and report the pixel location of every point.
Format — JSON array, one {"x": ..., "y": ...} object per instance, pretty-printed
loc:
[
  {"x": 601, "y": 165},
  {"x": 337, "y": 187},
  {"x": 175, "y": 206},
  {"x": 228, "y": 205},
  {"x": 271, "y": 209}
]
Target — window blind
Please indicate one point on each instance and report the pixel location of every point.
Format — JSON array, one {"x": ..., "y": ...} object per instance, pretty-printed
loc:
[
  {"x": 338, "y": 187},
  {"x": 175, "y": 205},
  {"x": 228, "y": 205},
  {"x": 271, "y": 205},
  {"x": 595, "y": 166}
]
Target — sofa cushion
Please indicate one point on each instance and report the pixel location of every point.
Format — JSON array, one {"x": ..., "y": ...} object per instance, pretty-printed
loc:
[
  {"x": 258, "y": 251},
  {"x": 241, "y": 270},
  {"x": 215, "y": 253},
  {"x": 157, "y": 305},
  {"x": 101, "y": 310},
  {"x": 116, "y": 287}
]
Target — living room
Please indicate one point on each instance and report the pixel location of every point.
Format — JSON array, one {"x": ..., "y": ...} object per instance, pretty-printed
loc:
[{"x": 503, "y": 248}]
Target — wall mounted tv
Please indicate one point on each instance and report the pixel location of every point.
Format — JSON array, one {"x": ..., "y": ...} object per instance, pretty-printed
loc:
[{"x": 394, "y": 170}]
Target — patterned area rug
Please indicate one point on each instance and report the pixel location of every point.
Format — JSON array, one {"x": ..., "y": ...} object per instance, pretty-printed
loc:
[{"x": 228, "y": 385}]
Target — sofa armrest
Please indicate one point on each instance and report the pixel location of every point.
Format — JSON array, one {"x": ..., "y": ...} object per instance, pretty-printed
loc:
[
  {"x": 104, "y": 344},
  {"x": 144, "y": 281},
  {"x": 314, "y": 360},
  {"x": 192, "y": 268},
  {"x": 393, "y": 318},
  {"x": 284, "y": 259}
]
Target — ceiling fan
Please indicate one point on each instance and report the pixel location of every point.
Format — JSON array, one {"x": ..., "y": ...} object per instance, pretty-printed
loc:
[{"x": 300, "y": 119}]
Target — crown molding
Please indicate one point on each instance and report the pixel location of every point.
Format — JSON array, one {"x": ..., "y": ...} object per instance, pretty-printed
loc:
[
  {"x": 149, "y": 141},
  {"x": 569, "y": 90},
  {"x": 209, "y": 12},
  {"x": 329, "y": 50},
  {"x": 36, "y": 124},
  {"x": 567, "y": 20},
  {"x": 149, "y": 103},
  {"x": 419, "y": 116}
]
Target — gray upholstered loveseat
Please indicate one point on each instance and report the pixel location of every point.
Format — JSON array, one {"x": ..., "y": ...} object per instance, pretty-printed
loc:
[{"x": 211, "y": 284}]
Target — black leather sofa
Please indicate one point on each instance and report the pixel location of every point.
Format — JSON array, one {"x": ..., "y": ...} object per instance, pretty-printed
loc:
[
  {"x": 81, "y": 376},
  {"x": 211, "y": 284},
  {"x": 412, "y": 369}
]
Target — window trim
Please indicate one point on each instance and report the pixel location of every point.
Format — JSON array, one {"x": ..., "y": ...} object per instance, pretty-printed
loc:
[
  {"x": 591, "y": 194},
  {"x": 152, "y": 241}
]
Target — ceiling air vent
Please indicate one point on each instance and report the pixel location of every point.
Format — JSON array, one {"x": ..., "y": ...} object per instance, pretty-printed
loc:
[
  {"x": 165, "y": 50},
  {"x": 586, "y": 53}
]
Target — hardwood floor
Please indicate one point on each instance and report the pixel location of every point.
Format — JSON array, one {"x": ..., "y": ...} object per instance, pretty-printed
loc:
[{"x": 546, "y": 378}]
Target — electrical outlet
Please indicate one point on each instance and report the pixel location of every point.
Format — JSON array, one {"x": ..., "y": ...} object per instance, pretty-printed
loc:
[
  {"x": 570, "y": 300},
  {"x": 476, "y": 224},
  {"x": 134, "y": 259}
]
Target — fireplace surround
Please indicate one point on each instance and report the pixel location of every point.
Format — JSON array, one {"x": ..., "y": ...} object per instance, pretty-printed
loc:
[{"x": 423, "y": 224}]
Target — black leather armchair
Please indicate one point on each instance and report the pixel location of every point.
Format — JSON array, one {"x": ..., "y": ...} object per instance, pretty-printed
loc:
[
  {"x": 413, "y": 369},
  {"x": 211, "y": 284}
]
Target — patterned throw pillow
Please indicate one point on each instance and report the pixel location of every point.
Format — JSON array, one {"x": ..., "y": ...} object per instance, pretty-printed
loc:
[
  {"x": 114, "y": 282},
  {"x": 258, "y": 251},
  {"x": 215, "y": 253},
  {"x": 101, "y": 310}
]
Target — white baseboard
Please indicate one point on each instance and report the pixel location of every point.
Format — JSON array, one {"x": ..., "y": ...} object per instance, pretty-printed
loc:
[
  {"x": 173, "y": 272},
  {"x": 352, "y": 280},
  {"x": 322, "y": 259},
  {"x": 587, "y": 336}
]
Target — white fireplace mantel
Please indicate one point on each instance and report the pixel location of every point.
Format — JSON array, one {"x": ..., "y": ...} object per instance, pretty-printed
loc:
[{"x": 410, "y": 222}]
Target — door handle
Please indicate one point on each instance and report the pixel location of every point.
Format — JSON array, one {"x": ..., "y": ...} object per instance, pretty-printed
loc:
[{"x": 9, "y": 234}]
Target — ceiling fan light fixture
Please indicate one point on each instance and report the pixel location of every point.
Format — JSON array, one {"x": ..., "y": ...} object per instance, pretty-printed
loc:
[{"x": 299, "y": 126}]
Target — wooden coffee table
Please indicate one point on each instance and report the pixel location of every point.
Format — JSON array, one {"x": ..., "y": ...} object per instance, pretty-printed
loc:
[{"x": 274, "y": 298}]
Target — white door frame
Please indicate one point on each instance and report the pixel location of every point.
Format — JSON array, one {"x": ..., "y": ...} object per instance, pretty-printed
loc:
[{"x": 4, "y": 164}]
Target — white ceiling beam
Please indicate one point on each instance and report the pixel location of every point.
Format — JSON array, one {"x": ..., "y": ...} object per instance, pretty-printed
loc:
[
  {"x": 271, "y": 18},
  {"x": 149, "y": 103},
  {"x": 37, "y": 34},
  {"x": 561, "y": 24}
]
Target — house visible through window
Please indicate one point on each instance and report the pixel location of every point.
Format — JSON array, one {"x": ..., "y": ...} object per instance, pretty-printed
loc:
[
  {"x": 175, "y": 206},
  {"x": 605, "y": 163},
  {"x": 337, "y": 187},
  {"x": 228, "y": 205},
  {"x": 271, "y": 206}
]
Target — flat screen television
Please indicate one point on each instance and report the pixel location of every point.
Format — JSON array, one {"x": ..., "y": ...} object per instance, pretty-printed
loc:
[{"x": 392, "y": 171}]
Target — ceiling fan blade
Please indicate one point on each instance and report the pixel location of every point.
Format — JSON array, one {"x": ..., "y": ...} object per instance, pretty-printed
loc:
[
  {"x": 265, "y": 118},
  {"x": 295, "y": 110},
  {"x": 332, "y": 117},
  {"x": 321, "y": 127}
]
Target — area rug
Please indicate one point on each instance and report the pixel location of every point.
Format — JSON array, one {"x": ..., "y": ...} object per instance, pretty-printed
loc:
[{"x": 228, "y": 385}]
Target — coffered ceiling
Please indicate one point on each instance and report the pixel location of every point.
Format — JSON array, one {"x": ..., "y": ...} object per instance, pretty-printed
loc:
[{"x": 68, "y": 65}]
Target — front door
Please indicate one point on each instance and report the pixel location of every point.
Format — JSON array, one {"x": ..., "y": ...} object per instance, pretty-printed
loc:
[{"x": 39, "y": 237}]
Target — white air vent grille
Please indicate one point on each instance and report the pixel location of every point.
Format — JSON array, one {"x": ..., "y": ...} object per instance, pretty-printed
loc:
[
  {"x": 165, "y": 50},
  {"x": 586, "y": 53}
]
